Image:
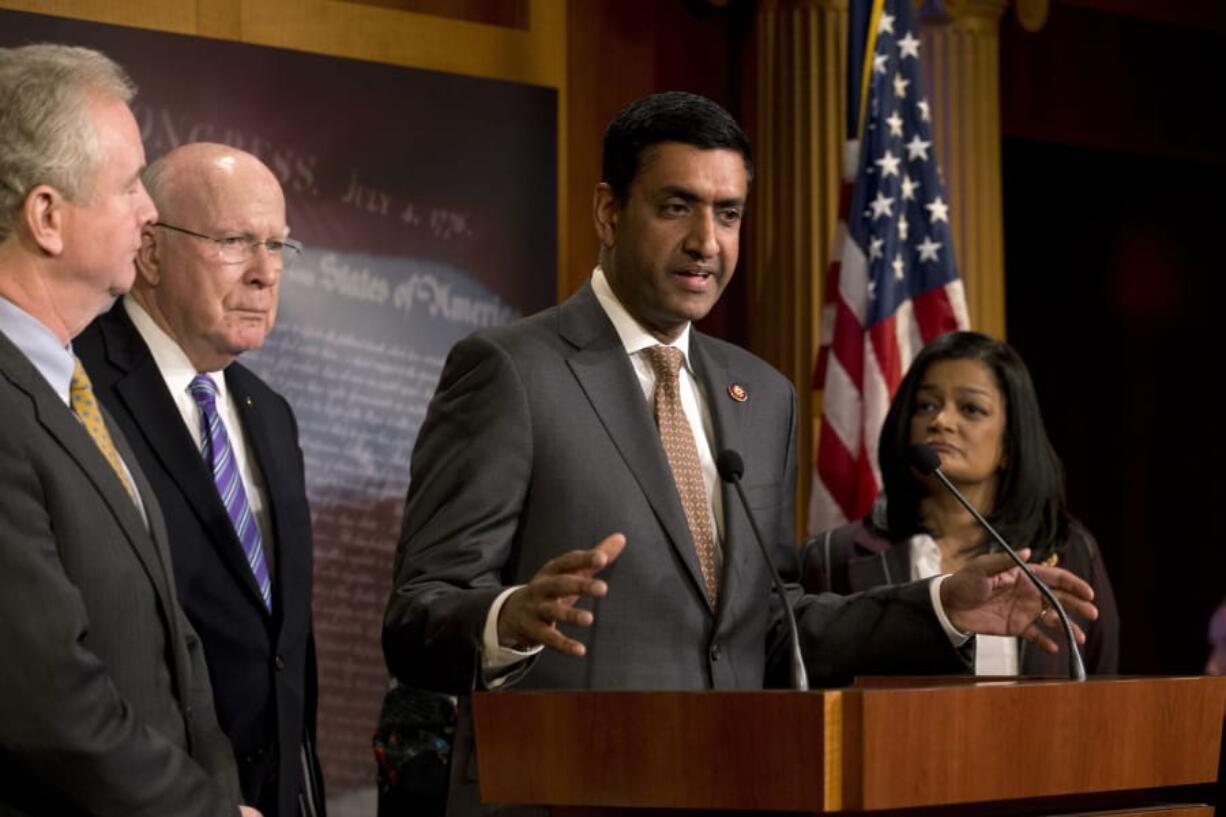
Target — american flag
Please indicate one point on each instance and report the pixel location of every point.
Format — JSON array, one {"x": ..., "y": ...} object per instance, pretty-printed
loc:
[{"x": 894, "y": 285}]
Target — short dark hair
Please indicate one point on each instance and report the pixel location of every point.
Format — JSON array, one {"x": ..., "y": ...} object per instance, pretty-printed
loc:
[
  {"x": 671, "y": 116},
  {"x": 1029, "y": 510}
]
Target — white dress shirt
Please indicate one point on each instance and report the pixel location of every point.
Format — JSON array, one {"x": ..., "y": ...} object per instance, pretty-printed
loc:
[
  {"x": 994, "y": 654},
  {"x": 177, "y": 372}
]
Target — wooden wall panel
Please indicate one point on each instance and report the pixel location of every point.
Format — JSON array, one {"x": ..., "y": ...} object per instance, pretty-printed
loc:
[
  {"x": 340, "y": 28},
  {"x": 617, "y": 51}
]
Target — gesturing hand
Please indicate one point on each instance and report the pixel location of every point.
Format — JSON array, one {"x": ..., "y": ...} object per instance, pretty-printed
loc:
[
  {"x": 991, "y": 596},
  {"x": 531, "y": 614}
]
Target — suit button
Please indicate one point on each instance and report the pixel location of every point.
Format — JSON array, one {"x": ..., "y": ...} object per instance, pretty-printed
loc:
[
  {"x": 279, "y": 663},
  {"x": 714, "y": 653}
]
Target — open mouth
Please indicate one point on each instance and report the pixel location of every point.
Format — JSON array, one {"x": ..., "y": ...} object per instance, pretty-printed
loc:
[{"x": 698, "y": 280}]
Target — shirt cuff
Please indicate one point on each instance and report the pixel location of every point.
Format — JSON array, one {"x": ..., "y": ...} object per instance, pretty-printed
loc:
[
  {"x": 956, "y": 636},
  {"x": 494, "y": 657}
]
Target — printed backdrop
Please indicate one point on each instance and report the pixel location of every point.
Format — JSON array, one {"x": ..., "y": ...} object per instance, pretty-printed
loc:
[{"x": 427, "y": 204}]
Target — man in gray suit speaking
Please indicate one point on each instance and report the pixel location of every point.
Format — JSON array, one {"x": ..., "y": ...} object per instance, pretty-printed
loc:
[
  {"x": 595, "y": 425},
  {"x": 105, "y": 705}
]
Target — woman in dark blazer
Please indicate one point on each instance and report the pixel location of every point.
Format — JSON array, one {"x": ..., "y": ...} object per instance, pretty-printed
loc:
[{"x": 971, "y": 399}]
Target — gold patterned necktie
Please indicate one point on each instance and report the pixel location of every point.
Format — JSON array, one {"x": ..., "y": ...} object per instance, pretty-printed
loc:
[
  {"x": 682, "y": 454},
  {"x": 85, "y": 406}
]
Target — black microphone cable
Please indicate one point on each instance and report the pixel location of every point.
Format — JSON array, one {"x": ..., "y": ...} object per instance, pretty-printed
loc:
[{"x": 731, "y": 467}]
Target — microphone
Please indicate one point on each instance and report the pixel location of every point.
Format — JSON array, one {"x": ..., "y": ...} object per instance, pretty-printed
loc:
[
  {"x": 928, "y": 462},
  {"x": 731, "y": 467}
]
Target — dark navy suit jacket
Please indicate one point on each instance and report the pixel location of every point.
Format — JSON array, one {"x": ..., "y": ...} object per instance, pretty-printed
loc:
[{"x": 262, "y": 664}]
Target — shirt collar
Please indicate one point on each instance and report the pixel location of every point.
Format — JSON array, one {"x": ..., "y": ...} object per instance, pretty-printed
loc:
[
  {"x": 171, "y": 360},
  {"x": 632, "y": 333},
  {"x": 925, "y": 556},
  {"x": 52, "y": 359}
]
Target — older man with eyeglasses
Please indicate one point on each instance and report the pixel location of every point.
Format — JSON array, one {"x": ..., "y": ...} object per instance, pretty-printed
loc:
[{"x": 221, "y": 449}]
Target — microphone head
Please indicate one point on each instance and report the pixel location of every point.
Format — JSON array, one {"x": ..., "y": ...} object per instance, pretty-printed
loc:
[
  {"x": 924, "y": 458},
  {"x": 730, "y": 465}
]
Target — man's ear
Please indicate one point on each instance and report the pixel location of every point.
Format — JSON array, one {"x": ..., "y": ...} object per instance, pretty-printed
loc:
[
  {"x": 605, "y": 211},
  {"x": 148, "y": 257},
  {"x": 43, "y": 213}
]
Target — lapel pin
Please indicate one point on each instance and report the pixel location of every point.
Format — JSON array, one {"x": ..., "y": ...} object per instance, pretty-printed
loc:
[
  {"x": 247, "y": 400},
  {"x": 737, "y": 392}
]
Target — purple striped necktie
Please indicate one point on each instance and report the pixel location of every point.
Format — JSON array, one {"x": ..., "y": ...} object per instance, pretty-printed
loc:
[{"x": 219, "y": 454}]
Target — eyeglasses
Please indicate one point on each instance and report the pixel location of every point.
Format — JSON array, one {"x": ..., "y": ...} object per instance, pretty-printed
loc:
[{"x": 238, "y": 249}]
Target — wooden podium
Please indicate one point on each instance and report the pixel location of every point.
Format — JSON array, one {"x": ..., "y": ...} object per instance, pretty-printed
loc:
[{"x": 909, "y": 746}]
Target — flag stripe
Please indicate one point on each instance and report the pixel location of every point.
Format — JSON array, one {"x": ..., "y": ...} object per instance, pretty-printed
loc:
[
  {"x": 894, "y": 285},
  {"x": 834, "y": 458},
  {"x": 934, "y": 313},
  {"x": 844, "y": 417}
]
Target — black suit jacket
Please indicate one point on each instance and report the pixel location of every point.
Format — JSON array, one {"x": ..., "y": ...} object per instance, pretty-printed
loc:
[
  {"x": 105, "y": 705},
  {"x": 262, "y": 665},
  {"x": 859, "y": 556}
]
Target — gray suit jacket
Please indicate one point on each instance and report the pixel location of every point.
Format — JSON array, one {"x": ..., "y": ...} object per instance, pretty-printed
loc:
[
  {"x": 539, "y": 441},
  {"x": 105, "y": 705}
]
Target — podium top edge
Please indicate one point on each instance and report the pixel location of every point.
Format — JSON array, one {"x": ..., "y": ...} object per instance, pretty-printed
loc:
[{"x": 878, "y": 683}]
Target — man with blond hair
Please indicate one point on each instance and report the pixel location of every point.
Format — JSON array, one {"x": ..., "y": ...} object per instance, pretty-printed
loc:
[
  {"x": 105, "y": 704},
  {"x": 221, "y": 451}
]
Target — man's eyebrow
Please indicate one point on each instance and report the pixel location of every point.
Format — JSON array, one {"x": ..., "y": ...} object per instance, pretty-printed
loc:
[{"x": 687, "y": 195}]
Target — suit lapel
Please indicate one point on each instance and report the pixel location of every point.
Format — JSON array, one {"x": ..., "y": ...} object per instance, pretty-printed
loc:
[
  {"x": 728, "y": 424},
  {"x": 67, "y": 431},
  {"x": 605, "y": 374},
  {"x": 59, "y": 421},
  {"x": 727, "y": 415},
  {"x": 166, "y": 588},
  {"x": 143, "y": 393}
]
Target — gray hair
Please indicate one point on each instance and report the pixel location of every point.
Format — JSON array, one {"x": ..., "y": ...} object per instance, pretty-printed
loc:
[{"x": 46, "y": 134}]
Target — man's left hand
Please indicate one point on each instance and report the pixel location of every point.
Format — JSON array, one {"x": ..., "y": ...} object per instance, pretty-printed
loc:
[{"x": 991, "y": 596}]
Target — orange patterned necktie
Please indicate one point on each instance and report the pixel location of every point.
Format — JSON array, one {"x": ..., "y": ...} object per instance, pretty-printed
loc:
[
  {"x": 85, "y": 406},
  {"x": 682, "y": 453}
]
